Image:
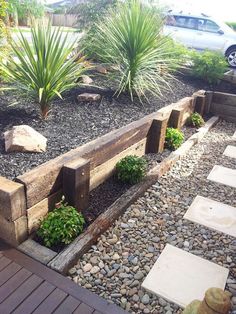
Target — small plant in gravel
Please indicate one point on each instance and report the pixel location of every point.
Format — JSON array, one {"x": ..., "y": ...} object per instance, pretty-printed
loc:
[
  {"x": 208, "y": 65},
  {"x": 174, "y": 138},
  {"x": 43, "y": 70},
  {"x": 131, "y": 169},
  {"x": 196, "y": 120},
  {"x": 61, "y": 226}
]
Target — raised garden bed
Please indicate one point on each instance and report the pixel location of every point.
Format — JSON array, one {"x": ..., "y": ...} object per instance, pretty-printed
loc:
[
  {"x": 62, "y": 261},
  {"x": 82, "y": 170},
  {"x": 230, "y": 76},
  {"x": 83, "y": 122}
]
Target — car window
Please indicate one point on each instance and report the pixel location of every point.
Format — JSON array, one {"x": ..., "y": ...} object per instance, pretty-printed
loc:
[
  {"x": 211, "y": 26},
  {"x": 191, "y": 23},
  {"x": 207, "y": 26},
  {"x": 181, "y": 21},
  {"x": 170, "y": 20}
]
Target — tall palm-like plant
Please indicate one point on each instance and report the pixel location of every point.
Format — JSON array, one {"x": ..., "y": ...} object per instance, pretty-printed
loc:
[
  {"x": 130, "y": 37},
  {"x": 42, "y": 69}
]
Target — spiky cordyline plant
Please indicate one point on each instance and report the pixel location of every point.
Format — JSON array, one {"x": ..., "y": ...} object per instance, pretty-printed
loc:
[
  {"x": 43, "y": 69},
  {"x": 130, "y": 37}
]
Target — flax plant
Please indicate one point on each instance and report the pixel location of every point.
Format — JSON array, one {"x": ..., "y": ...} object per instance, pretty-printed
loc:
[
  {"x": 130, "y": 39},
  {"x": 42, "y": 68}
]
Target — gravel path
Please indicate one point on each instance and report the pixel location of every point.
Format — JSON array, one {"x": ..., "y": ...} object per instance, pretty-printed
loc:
[{"x": 123, "y": 256}]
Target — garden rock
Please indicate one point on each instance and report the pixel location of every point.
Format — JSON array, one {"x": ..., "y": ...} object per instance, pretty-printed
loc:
[
  {"x": 86, "y": 79},
  {"x": 88, "y": 97},
  {"x": 23, "y": 138},
  {"x": 101, "y": 69}
]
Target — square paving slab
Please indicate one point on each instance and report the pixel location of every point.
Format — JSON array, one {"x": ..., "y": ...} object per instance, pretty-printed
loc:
[
  {"x": 212, "y": 214},
  {"x": 223, "y": 175},
  {"x": 230, "y": 151},
  {"x": 181, "y": 277}
]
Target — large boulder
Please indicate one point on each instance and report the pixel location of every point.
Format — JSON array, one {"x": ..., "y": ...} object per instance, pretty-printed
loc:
[{"x": 23, "y": 138}]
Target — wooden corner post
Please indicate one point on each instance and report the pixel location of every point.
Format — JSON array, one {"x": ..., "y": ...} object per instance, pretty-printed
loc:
[
  {"x": 13, "y": 220},
  {"x": 156, "y": 135},
  {"x": 176, "y": 118},
  {"x": 200, "y": 103},
  {"x": 76, "y": 179}
]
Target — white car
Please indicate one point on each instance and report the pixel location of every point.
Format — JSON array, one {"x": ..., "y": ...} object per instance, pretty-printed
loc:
[{"x": 202, "y": 32}]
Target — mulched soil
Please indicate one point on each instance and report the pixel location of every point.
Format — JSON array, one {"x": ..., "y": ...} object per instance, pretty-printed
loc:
[
  {"x": 113, "y": 188},
  {"x": 72, "y": 124}
]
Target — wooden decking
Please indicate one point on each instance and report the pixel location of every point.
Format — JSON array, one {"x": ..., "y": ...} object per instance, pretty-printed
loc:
[{"x": 27, "y": 286}]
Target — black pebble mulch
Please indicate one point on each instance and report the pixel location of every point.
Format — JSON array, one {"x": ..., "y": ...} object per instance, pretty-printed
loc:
[{"x": 71, "y": 124}]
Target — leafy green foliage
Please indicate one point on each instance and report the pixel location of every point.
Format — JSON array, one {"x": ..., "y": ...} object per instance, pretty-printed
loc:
[
  {"x": 131, "y": 169},
  {"x": 43, "y": 70},
  {"x": 4, "y": 34},
  {"x": 90, "y": 12},
  {"x": 196, "y": 120},
  {"x": 130, "y": 39},
  {"x": 24, "y": 9},
  {"x": 181, "y": 54},
  {"x": 3, "y": 8},
  {"x": 232, "y": 25},
  {"x": 174, "y": 138},
  {"x": 208, "y": 65},
  {"x": 61, "y": 226}
]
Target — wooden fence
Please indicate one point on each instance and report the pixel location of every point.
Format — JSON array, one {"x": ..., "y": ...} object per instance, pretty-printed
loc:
[{"x": 66, "y": 20}]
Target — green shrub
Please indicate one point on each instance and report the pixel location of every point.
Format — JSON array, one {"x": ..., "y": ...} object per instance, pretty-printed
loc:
[
  {"x": 174, "y": 138},
  {"x": 130, "y": 38},
  {"x": 208, "y": 65},
  {"x": 44, "y": 70},
  {"x": 4, "y": 34},
  {"x": 196, "y": 120},
  {"x": 89, "y": 12},
  {"x": 61, "y": 226},
  {"x": 131, "y": 169},
  {"x": 181, "y": 53},
  {"x": 232, "y": 25}
]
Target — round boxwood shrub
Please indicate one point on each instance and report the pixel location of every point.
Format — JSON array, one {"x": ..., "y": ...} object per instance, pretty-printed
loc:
[
  {"x": 131, "y": 169},
  {"x": 196, "y": 120},
  {"x": 61, "y": 226},
  {"x": 174, "y": 138}
]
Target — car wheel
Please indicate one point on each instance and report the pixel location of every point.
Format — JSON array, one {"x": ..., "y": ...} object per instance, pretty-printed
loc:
[{"x": 231, "y": 57}]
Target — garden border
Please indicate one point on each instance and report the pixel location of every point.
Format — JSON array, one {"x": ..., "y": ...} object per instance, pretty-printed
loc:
[
  {"x": 230, "y": 76},
  {"x": 66, "y": 258},
  {"x": 96, "y": 159},
  {"x": 40, "y": 188}
]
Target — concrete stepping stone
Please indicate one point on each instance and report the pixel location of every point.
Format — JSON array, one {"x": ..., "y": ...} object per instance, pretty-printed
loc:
[
  {"x": 212, "y": 214},
  {"x": 181, "y": 277},
  {"x": 230, "y": 151},
  {"x": 223, "y": 175}
]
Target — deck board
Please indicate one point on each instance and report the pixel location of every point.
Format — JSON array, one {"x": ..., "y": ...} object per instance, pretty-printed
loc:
[
  {"x": 51, "y": 302},
  {"x": 68, "y": 306},
  {"x": 4, "y": 261},
  {"x": 13, "y": 283},
  {"x": 27, "y": 286},
  {"x": 20, "y": 294},
  {"x": 35, "y": 299},
  {"x": 8, "y": 272},
  {"x": 84, "y": 309}
]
